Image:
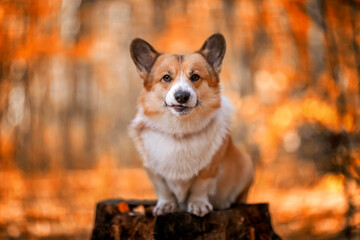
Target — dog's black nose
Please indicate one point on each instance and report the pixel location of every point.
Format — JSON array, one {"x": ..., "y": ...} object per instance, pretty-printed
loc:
[{"x": 182, "y": 96}]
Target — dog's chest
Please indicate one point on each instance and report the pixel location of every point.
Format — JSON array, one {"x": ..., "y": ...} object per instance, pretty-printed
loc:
[{"x": 181, "y": 158}]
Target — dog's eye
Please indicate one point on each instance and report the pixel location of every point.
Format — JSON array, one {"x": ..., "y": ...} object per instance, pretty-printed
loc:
[
  {"x": 194, "y": 77},
  {"x": 166, "y": 78}
]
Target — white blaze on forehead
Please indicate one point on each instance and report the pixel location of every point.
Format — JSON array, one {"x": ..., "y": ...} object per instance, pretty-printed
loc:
[{"x": 181, "y": 85}]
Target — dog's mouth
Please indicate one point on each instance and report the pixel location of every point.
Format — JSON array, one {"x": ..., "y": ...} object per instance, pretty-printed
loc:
[{"x": 180, "y": 109}]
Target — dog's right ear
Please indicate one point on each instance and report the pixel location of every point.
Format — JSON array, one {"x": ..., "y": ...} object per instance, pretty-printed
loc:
[
  {"x": 143, "y": 55},
  {"x": 213, "y": 50}
]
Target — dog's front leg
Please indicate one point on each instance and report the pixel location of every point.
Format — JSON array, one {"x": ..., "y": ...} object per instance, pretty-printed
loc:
[
  {"x": 166, "y": 202},
  {"x": 198, "y": 200}
]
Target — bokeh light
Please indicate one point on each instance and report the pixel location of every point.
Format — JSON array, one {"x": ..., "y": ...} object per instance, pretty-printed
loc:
[{"x": 69, "y": 89}]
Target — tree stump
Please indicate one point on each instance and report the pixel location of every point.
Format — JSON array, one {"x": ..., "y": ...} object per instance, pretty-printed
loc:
[{"x": 122, "y": 219}]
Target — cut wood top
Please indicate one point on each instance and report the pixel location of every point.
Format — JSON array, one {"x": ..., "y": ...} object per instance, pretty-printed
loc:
[{"x": 132, "y": 219}]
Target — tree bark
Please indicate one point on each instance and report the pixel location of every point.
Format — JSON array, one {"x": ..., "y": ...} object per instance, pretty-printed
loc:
[{"x": 122, "y": 219}]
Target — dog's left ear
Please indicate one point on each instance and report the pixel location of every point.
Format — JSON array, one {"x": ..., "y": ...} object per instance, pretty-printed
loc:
[
  {"x": 143, "y": 55},
  {"x": 213, "y": 50}
]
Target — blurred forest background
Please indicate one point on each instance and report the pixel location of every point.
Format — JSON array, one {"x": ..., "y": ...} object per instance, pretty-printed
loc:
[{"x": 68, "y": 90}]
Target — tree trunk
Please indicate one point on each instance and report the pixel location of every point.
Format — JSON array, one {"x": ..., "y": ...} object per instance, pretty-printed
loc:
[{"x": 122, "y": 219}]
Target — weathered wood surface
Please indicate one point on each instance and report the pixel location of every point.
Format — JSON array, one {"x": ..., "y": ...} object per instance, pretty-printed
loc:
[{"x": 122, "y": 219}]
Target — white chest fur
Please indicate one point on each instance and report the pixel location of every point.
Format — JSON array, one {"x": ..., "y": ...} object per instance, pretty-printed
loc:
[{"x": 183, "y": 157}]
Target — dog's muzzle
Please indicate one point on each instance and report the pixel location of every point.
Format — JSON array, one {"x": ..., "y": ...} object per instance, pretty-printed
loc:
[{"x": 181, "y": 99}]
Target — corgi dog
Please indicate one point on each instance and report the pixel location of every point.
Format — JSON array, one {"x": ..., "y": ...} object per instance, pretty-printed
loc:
[{"x": 182, "y": 130}]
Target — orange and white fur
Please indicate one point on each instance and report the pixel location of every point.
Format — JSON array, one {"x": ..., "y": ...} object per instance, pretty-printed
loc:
[{"x": 182, "y": 130}]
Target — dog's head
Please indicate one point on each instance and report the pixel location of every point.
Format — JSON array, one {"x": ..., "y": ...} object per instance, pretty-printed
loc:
[{"x": 181, "y": 84}]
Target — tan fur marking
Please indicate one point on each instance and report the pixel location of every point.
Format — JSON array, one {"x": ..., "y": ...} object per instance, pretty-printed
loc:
[
  {"x": 236, "y": 160},
  {"x": 199, "y": 65},
  {"x": 212, "y": 169},
  {"x": 149, "y": 105},
  {"x": 164, "y": 63}
]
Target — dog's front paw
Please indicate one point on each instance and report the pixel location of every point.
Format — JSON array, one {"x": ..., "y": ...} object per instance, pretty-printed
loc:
[
  {"x": 199, "y": 208},
  {"x": 164, "y": 207}
]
